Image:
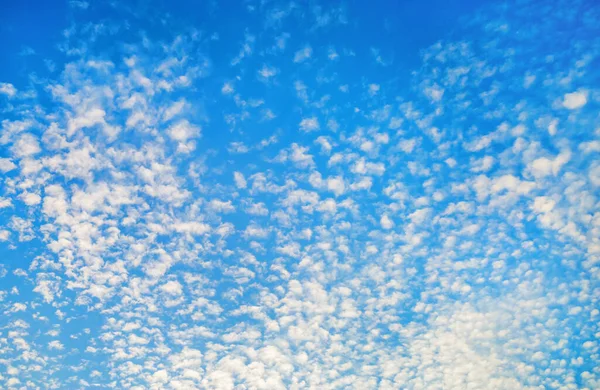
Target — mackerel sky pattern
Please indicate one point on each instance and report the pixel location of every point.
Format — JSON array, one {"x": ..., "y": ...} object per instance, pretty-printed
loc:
[{"x": 300, "y": 195}]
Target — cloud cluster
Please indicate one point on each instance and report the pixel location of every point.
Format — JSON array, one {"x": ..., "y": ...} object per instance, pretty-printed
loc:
[{"x": 170, "y": 223}]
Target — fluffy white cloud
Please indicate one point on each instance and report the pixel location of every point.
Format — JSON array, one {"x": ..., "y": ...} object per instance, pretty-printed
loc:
[
  {"x": 336, "y": 185},
  {"x": 6, "y": 165},
  {"x": 309, "y": 124},
  {"x": 26, "y": 145},
  {"x": 386, "y": 222},
  {"x": 172, "y": 287},
  {"x": 8, "y": 89},
  {"x": 544, "y": 166},
  {"x": 575, "y": 100},
  {"x": 183, "y": 130},
  {"x": 303, "y": 54},
  {"x": 30, "y": 199},
  {"x": 240, "y": 181}
]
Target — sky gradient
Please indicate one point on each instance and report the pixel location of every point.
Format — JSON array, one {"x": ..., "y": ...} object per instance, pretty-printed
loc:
[{"x": 300, "y": 195}]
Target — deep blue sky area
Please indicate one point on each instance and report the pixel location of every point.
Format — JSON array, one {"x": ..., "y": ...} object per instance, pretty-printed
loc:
[{"x": 39, "y": 26}]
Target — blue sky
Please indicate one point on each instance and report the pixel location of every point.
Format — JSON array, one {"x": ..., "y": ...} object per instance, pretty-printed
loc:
[{"x": 299, "y": 195}]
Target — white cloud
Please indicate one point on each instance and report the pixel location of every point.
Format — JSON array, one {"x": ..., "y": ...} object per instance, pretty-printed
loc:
[
  {"x": 434, "y": 93},
  {"x": 30, "y": 199},
  {"x": 543, "y": 204},
  {"x": 174, "y": 109},
  {"x": 366, "y": 167},
  {"x": 594, "y": 174},
  {"x": 336, "y": 185},
  {"x": 327, "y": 206},
  {"x": 300, "y": 158},
  {"x": 575, "y": 100},
  {"x": 543, "y": 166},
  {"x": 325, "y": 144},
  {"x": 182, "y": 131},
  {"x": 195, "y": 228},
  {"x": 56, "y": 345},
  {"x": 221, "y": 206},
  {"x": 87, "y": 118},
  {"x": 172, "y": 287},
  {"x": 483, "y": 164},
  {"x": 386, "y": 222},
  {"x": 303, "y": 54},
  {"x": 266, "y": 72},
  {"x": 374, "y": 89},
  {"x": 8, "y": 89},
  {"x": 6, "y": 165},
  {"x": 254, "y": 231},
  {"x": 309, "y": 124},
  {"x": 407, "y": 145},
  {"x": 26, "y": 145},
  {"x": 240, "y": 181},
  {"x": 227, "y": 89}
]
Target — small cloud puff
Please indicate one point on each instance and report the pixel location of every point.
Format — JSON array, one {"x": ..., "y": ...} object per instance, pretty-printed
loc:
[{"x": 575, "y": 100}]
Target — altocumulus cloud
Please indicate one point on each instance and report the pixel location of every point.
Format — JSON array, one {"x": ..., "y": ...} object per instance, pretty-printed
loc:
[{"x": 269, "y": 196}]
